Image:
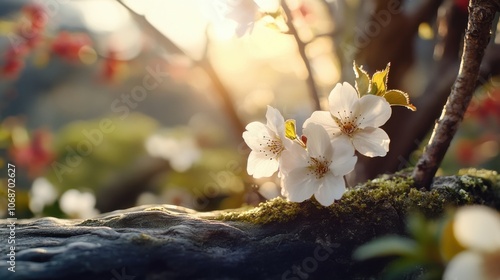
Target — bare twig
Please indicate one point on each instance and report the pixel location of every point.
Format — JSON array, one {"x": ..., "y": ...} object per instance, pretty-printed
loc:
[
  {"x": 203, "y": 63},
  {"x": 311, "y": 83},
  {"x": 481, "y": 15}
]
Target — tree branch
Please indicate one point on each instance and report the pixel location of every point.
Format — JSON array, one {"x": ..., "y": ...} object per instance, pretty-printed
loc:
[
  {"x": 204, "y": 64},
  {"x": 311, "y": 83},
  {"x": 481, "y": 15}
]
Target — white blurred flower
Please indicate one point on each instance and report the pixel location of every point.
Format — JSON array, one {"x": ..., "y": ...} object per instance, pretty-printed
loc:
[
  {"x": 476, "y": 228},
  {"x": 237, "y": 16},
  {"x": 42, "y": 193},
  {"x": 181, "y": 151},
  {"x": 269, "y": 190},
  {"x": 319, "y": 170},
  {"x": 78, "y": 204},
  {"x": 356, "y": 120},
  {"x": 267, "y": 141}
]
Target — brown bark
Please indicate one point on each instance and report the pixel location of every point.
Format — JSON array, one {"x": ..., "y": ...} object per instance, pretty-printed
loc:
[
  {"x": 481, "y": 15},
  {"x": 301, "y": 46},
  {"x": 409, "y": 128}
]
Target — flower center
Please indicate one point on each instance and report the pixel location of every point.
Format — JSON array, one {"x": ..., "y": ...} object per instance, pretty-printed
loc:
[
  {"x": 319, "y": 166},
  {"x": 272, "y": 147},
  {"x": 491, "y": 268},
  {"x": 347, "y": 122}
]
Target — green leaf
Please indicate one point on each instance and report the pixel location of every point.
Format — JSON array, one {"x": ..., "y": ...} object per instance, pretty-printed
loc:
[
  {"x": 380, "y": 80},
  {"x": 362, "y": 83},
  {"x": 400, "y": 268},
  {"x": 399, "y": 98},
  {"x": 386, "y": 246},
  {"x": 290, "y": 131}
]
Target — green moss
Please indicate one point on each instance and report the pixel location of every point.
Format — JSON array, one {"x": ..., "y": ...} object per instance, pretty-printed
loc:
[
  {"x": 489, "y": 175},
  {"x": 275, "y": 210},
  {"x": 389, "y": 193}
]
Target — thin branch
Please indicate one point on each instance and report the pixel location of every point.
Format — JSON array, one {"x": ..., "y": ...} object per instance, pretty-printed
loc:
[
  {"x": 311, "y": 83},
  {"x": 330, "y": 34},
  {"x": 155, "y": 33},
  {"x": 224, "y": 94},
  {"x": 481, "y": 15},
  {"x": 203, "y": 63}
]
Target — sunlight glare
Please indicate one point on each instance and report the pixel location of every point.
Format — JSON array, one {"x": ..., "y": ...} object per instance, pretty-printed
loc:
[
  {"x": 103, "y": 16},
  {"x": 182, "y": 22}
]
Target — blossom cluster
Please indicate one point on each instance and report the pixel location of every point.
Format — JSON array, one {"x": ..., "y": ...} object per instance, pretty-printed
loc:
[
  {"x": 316, "y": 163},
  {"x": 239, "y": 16}
]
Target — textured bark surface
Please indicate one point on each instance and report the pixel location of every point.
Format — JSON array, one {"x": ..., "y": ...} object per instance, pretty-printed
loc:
[
  {"x": 278, "y": 240},
  {"x": 481, "y": 15}
]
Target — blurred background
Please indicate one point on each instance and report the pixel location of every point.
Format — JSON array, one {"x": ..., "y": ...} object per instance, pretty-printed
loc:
[{"x": 107, "y": 104}]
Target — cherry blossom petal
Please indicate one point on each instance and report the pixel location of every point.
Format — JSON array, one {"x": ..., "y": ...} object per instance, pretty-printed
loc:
[
  {"x": 259, "y": 166},
  {"x": 371, "y": 142},
  {"x": 318, "y": 143},
  {"x": 254, "y": 136},
  {"x": 299, "y": 185},
  {"x": 342, "y": 146},
  {"x": 466, "y": 265},
  {"x": 374, "y": 111},
  {"x": 343, "y": 160},
  {"x": 294, "y": 157},
  {"x": 478, "y": 228},
  {"x": 343, "y": 99},
  {"x": 275, "y": 121},
  {"x": 324, "y": 119},
  {"x": 332, "y": 188}
]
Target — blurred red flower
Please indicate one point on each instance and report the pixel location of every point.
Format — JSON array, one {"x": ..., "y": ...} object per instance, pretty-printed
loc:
[
  {"x": 67, "y": 45},
  {"x": 36, "y": 15},
  {"x": 112, "y": 66},
  {"x": 35, "y": 155},
  {"x": 12, "y": 67}
]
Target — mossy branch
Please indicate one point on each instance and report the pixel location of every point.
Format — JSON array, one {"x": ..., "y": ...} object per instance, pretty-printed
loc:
[{"x": 477, "y": 36}]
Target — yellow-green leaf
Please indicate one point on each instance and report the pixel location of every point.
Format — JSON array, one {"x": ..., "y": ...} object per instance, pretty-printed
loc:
[
  {"x": 380, "y": 80},
  {"x": 362, "y": 80},
  {"x": 399, "y": 98},
  {"x": 290, "y": 131}
]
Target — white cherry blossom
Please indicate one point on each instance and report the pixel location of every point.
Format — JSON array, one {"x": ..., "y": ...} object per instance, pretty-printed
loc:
[
  {"x": 355, "y": 120},
  {"x": 237, "y": 16},
  {"x": 267, "y": 142},
  {"x": 317, "y": 170}
]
